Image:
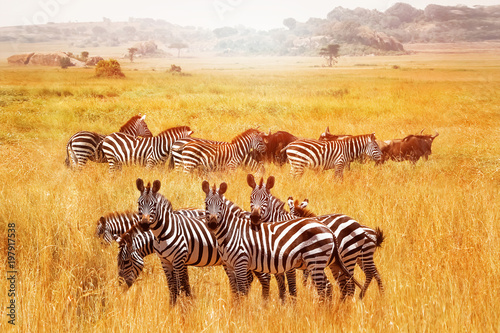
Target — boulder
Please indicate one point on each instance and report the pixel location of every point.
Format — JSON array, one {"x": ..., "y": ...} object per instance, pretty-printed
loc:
[
  {"x": 378, "y": 40},
  {"x": 20, "y": 59},
  {"x": 92, "y": 61}
]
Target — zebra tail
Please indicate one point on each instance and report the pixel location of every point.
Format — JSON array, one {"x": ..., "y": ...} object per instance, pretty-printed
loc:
[
  {"x": 342, "y": 266},
  {"x": 380, "y": 236}
]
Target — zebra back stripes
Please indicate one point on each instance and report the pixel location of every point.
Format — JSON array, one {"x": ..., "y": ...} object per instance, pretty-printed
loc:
[
  {"x": 84, "y": 145},
  {"x": 121, "y": 148},
  {"x": 274, "y": 248},
  {"x": 224, "y": 156},
  {"x": 335, "y": 154}
]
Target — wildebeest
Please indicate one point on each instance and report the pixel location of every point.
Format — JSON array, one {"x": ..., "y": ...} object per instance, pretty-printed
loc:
[
  {"x": 274, "y": 144},
  {"x": 411, "y": 148},
  {"x": 327, "y": 136}
]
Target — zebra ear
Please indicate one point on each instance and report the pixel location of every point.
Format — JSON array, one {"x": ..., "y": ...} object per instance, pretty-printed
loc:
[
  {"x": 270, "y": 183},
  {"x": 327, "y": 130},
  {"x": 373, "y": 136},
  {"x": 140, "y": 184},
  {"x": 222, "y": 188},
  {"x": 156, "y": 186},
  {"x": 290, "y": 203},
  {"x": 304, "y": 203},
  {"x": 143, "y": 117},
  {"x": 251, "y": 180},
  {"x": 205, "y": 186}
]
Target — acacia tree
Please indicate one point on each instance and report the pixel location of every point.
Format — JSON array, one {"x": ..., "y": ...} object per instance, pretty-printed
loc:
[
  {"x": 330, "y": 53},
  {"x": 131, "y": 52},
  {"x": 178, "y": 46}
]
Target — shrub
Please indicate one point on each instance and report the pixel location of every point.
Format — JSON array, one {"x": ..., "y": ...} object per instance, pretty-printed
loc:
[
  {"x": 108, "y": 68},
  {"x": 65, "y": 62}
]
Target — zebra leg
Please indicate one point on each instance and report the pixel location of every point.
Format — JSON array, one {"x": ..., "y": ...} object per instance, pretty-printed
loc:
[
  {"x": 242, "y": 279},
  {"x": 291, "y": 278},
  {"x": 370, "y": 270},
  {"x": 339, "y": 170},
  {"x": 168, "y": 268},
  {"x": 264, "y": 279},
  {"x": 305, "y": 276},
  {"x": 185, "y": 286},
  {"x": 280, "y": 278},
  {"x": 232, "y": 279},
  {"x": 319, "y": 278}
]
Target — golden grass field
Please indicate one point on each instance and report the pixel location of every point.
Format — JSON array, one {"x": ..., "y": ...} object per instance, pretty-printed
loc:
[{"x": 439, "y": 262}]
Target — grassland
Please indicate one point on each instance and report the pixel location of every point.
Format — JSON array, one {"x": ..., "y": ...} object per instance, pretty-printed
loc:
[{"x": 439, "y": 262}]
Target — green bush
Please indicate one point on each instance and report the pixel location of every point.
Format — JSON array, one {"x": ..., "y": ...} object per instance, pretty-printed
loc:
[{"x": 108, "y": 68}]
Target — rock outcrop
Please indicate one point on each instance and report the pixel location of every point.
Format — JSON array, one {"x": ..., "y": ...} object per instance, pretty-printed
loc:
[
  {"x": 20, "y": 59},
  {"x": 49, "y": 59}
]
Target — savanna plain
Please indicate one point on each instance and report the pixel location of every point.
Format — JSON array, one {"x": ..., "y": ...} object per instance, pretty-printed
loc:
[{"x": 439, "y": 262}]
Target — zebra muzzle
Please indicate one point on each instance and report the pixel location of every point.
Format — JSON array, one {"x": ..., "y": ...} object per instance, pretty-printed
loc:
[
  {"x": 255, "y": 215},
  {"x": 144, "y": 223},
  {"x": 212, "y": 222}
]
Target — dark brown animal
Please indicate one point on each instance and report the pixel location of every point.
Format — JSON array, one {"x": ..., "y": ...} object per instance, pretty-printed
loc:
[
  {"x": 411, "y": 148},
  {"x": 274, "y": 144},
  {"x": 327, "y": 136}
]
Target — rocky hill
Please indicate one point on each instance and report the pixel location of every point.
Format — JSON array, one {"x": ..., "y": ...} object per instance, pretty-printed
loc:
[{"x": 358, "y": 31}]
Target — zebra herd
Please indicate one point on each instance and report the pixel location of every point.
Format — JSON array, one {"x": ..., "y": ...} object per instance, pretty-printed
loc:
[
  {"x": 134, "y": 144},
  {"x": 267, "y": 240}
]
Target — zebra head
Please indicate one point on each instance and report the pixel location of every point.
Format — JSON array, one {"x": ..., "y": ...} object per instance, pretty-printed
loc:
[
  {"x": 130, "y": 263},
  {"x": 102, "y": 231},
  {"x": 147, "y": 203},
  {"x": 258, "y": 147},
  {"x": 372, "y": 149},
  {"x": 260, "y": 198},
  {"x": 214, "y": 205},
  {"x": 137, "y": 126}
]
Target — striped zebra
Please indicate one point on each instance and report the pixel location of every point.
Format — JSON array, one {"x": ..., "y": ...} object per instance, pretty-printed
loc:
[
  {"x": 176, "y": 161},
  {"x": 275, "y": 248},
  {"x": 84, "y": 146},
  {"x": 223, "y": 156},
  {"x": 180, "y": 241},
  {"x": 120, "y": 148},
  {"x": 365, "y": 261},
  {"x": 350, "y": 236},
  {"x": 326, "y": 155},
  {"x": 114, "y": 225}
]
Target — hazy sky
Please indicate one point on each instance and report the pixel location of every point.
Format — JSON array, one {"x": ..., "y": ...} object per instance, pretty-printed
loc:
[{"x": 259, "y": 14}]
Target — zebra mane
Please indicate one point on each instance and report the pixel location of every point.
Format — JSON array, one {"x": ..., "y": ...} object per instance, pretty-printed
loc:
[
  {"x": 245, "y": 134},
  {"x": 130, "y": 123},
  {"x": 166, "y": 204},
  {"x": 113, "y": 215},
  {"x": 174, "y": 129}
]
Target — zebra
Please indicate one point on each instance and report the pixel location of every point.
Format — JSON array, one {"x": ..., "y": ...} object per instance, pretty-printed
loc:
[
  {"x": 180, "y": 241},
  {"x": 334, "y": 154},
  {"x": 176, "y": 162},
  {"x": 350, "y": 236},
  {"x": 275, "y": 248},
  {"x": 211, "y": 156},
  {"x": 120, "y": 148},
  {"x": 374, "y": 240},
  {"x": 114, "y": 225},
  {"x": 85, "y": 145}
]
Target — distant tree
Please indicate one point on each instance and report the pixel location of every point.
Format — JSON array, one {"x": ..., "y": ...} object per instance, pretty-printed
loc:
[
  {"x": 65, "y": 62},
  {"x": 225, "y": 32},
  {"x": 330, "y": 53},
  {"x": 85, "y": 55},
  {"x": 290, "y": 23},
  {"x": 108, "y": 68},
  {"x": 131, "y": 52},
  {"x": 178, "y": 46}
]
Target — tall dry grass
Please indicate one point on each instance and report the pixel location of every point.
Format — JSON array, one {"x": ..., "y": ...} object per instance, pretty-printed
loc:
[{"x": 439, "y": 262}]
